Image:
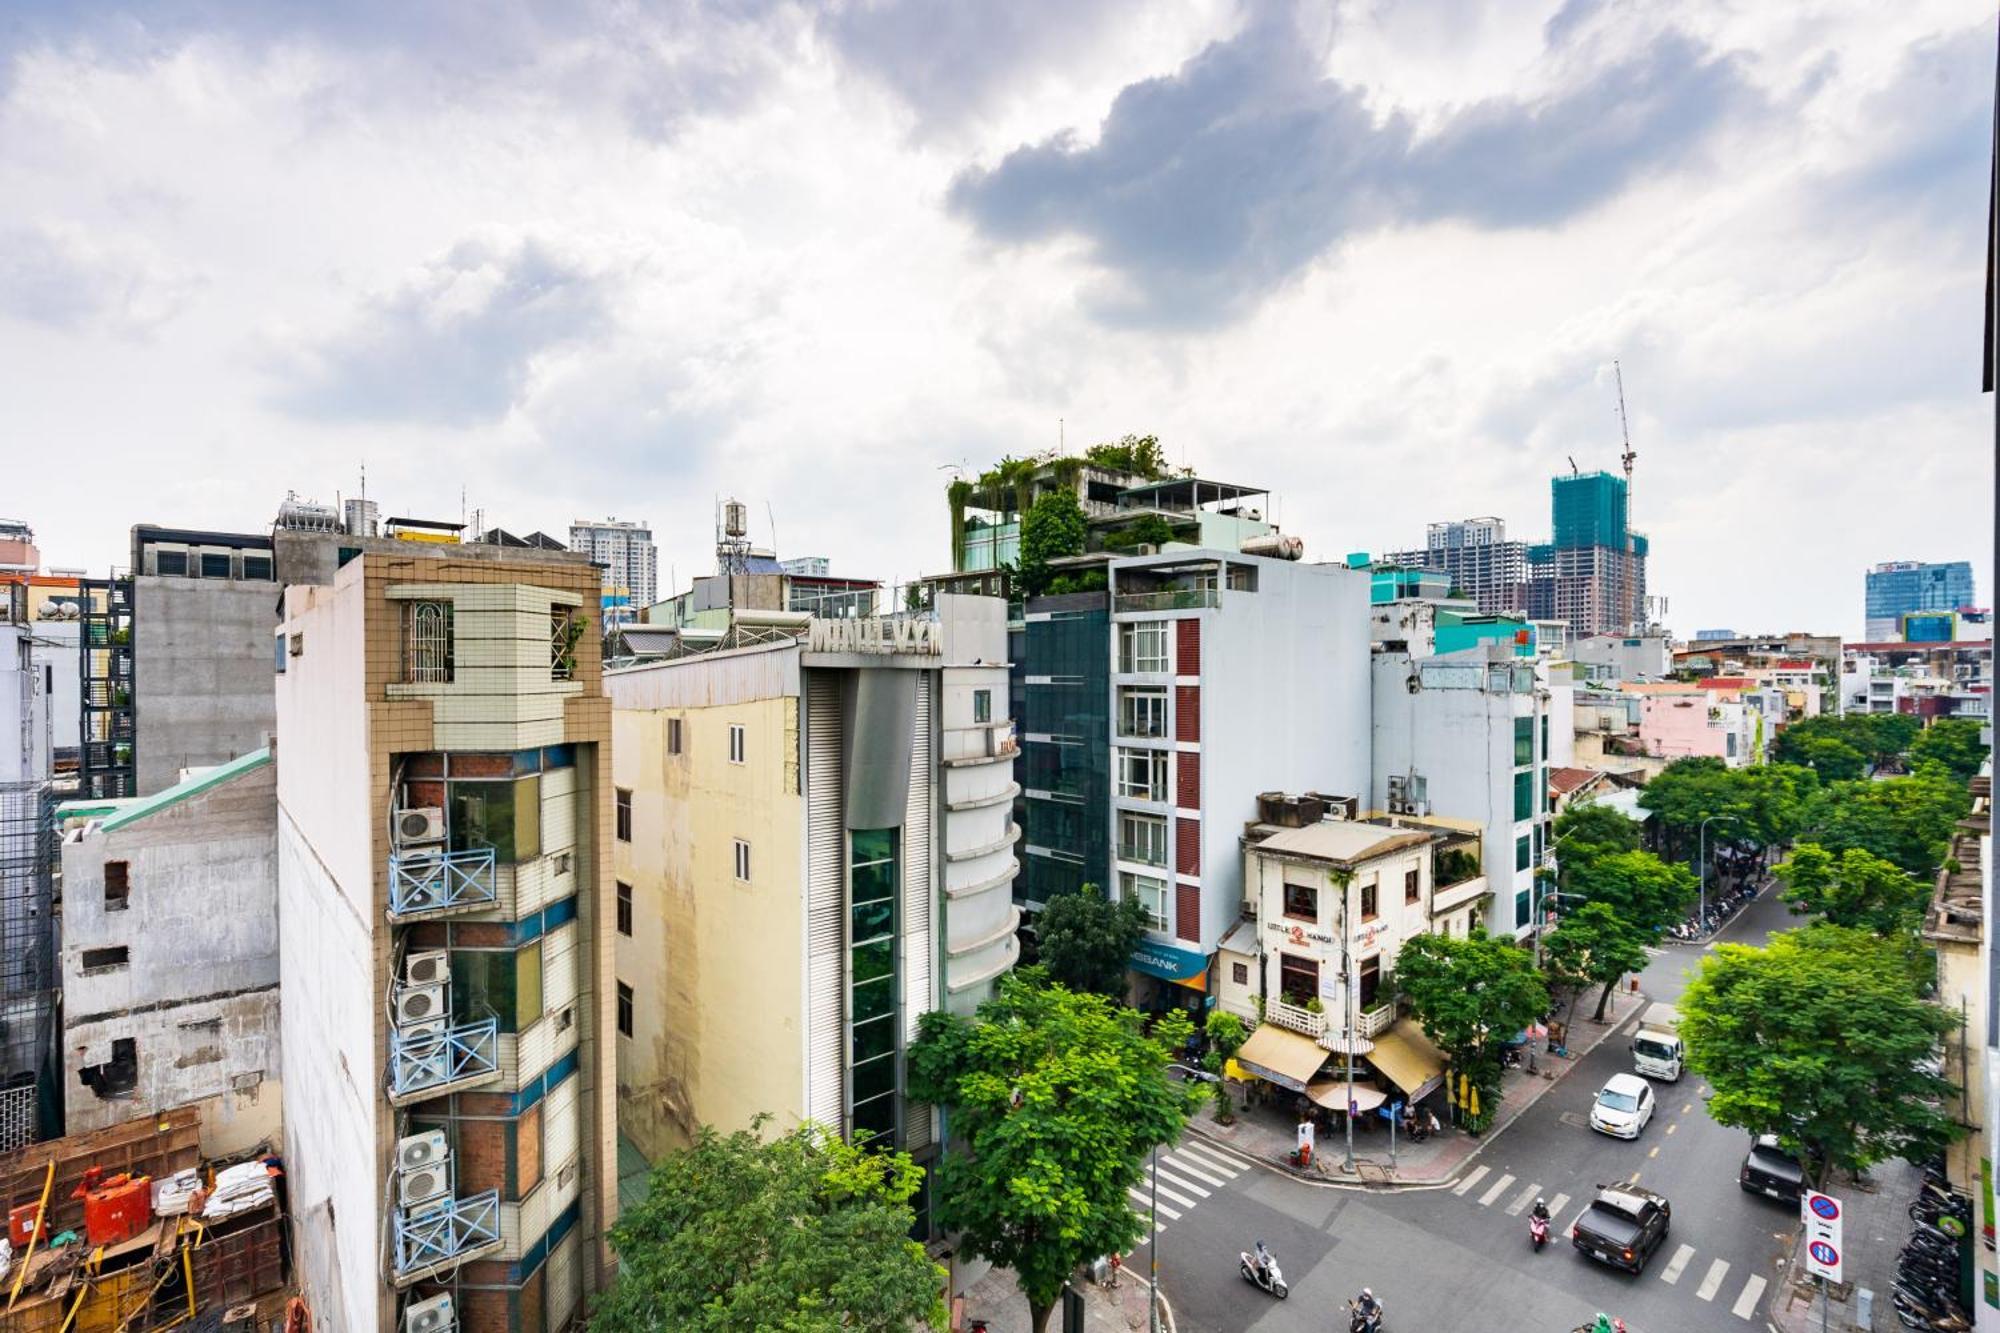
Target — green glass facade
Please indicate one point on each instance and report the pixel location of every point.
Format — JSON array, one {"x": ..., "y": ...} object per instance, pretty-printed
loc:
[
  {"x": 872, "y": 882},
  {"x": 1064, "y": 722},
  {"x": 1589, "y": 510}
]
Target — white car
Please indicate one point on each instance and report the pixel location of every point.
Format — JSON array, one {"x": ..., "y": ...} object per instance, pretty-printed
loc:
[{"x": 1623, "y": 1106}]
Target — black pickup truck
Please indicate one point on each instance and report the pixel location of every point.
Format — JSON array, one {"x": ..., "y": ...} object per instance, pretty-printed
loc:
[{"x": 1623, "y": 1226}]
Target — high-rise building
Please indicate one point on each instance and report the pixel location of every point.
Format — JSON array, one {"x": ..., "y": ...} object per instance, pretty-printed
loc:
[
  {"x": 631, "y": 564},
  {"x": 444, "y": 934},
  {"x": 1476, "y": 556},
  {"x": 1897, "y": 588}
]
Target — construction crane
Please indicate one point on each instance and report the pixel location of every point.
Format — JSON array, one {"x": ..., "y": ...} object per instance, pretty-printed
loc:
[{"x": 1624, "y": 430}]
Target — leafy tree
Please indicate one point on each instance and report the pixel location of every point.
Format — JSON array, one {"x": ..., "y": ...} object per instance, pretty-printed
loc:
[
  {"x": 1820, "y": 1038},
  {"x": 1594, "y": 945},
  {"x": 1226, "y": 1035},
  {"x": 1824, "y": 743},
  {"x": 1640, "y": 889},
  {"x": 1086, "y": 942},
  {"x": 1952, "y": 742},
  {"x": 1134, "y": 453},
  {"x": 1905, "y": 820},
  {"x": 1852, "y": 888},
  {"x": 1589, "y": 824},
  {"x": 806, "y": 1233},
  {"x": 1053, "y": 527},
  {"x": 1471, "y": 995},
  {"x": 1055, "y": 1099}
]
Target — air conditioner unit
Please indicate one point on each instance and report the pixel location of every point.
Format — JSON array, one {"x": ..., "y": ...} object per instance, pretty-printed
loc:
[
  {"x": 421, "y": 1150},
  {"x": 412, "y": 1035},
  {"x": 430, "y": 1316},
  {"x": 430, "y": 968},
  {"x": 417, "y": 1004},
  {"x": 418, "y": 825},
  {"x": 424, "y": 1185}
]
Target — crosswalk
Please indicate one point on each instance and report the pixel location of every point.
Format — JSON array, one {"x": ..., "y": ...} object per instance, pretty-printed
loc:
[
  {"x": 1184, "y": 1176},
  {"x": 1480, "y": 1188}
]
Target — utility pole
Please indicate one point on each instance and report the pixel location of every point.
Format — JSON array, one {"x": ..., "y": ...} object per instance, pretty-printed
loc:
[{"x": 1347, "y": 1011}]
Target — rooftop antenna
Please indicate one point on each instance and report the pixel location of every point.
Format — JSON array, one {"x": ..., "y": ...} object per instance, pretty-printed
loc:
[{"x": 773, "y": 519}]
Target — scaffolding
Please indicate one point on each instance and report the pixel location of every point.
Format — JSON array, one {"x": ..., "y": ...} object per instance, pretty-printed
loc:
[
  {"x": 29, "y": 985},
  {"x": 107, "y": 765}
]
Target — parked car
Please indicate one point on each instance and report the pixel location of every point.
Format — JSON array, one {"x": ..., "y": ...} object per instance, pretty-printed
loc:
[
  {"x": 1623, "y": 1106},
  {"x": 1771, "y": 1171},
  {"x": 1623, "y": 1226}
]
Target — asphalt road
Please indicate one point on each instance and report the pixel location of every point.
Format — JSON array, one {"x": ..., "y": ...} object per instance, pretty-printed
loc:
[{"x": 1458, "y": 1257}]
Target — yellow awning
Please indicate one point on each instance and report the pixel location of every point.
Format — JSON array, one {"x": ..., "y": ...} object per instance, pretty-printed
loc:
[
  {"x": 1406, "y": 1056},
  {"x": 1281, "y": 1057},
  {"x": 1199, "y": 981}
]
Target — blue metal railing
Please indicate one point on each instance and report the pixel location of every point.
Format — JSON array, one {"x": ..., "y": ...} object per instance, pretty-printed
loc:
[
  {"x": 417, "y": 1064},
  {"x": 430, "y": 881},
  {"x": 446, "y": 1232}
]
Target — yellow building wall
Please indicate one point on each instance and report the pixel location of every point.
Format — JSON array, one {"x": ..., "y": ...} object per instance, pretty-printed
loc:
[{"x": 715, "y": 965}]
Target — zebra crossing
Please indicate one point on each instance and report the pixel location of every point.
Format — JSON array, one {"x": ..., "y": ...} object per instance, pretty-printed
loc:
[
  {"x": 1178, "y": 1180},
  {"x": 1714, "y": 1281}
]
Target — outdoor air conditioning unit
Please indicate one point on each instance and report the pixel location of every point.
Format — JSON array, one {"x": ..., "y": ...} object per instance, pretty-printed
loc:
[
  {"x": 424, "y": 1184},
  {"x": 419, "y": 825},
  {"x": 421, "y": 1150},
  {"x": 1407, "y": 793},
  {"x": 418, "y": 1004},
  {"x": 430, "y": 968},
  {"x": 410, "y": 1036},
  {"x": 430, "y": 1316}
]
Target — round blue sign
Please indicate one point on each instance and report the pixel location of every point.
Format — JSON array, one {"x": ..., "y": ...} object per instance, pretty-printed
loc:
[
  {"x": 1824, "y": 1254},
  {"x": 1825, "y": 1207}
]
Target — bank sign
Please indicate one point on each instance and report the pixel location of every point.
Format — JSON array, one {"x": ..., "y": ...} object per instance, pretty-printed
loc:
[{"x": 875, "y": 634}]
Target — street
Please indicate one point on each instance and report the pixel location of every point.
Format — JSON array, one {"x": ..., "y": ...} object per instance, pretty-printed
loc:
[{"x": 1458, "y": 1257}]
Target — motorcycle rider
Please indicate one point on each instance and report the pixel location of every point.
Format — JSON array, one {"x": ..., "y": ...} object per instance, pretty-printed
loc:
[
  {"x": 1262, "y": 1258},
  {"x": 1368, "y": 1308},
  {"x": 1541, "y": 1211}
]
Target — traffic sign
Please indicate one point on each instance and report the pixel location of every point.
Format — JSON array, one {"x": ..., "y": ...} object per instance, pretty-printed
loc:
[{"x": 1822, "y": 1215}]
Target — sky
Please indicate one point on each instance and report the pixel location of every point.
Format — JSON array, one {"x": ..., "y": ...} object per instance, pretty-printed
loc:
[{"x": 587, "y": 258}]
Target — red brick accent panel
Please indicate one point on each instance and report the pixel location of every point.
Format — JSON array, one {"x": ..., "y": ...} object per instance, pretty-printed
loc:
[
  {"x": 1187, "y": 847},
  {"x": 1187, "y": 780},
  {"x": 1187, "y": 712},
  {"x": 1187, "y": 647},
  {"x": 1187, "y": 912},
  {"x": 482, "y": 1155}
]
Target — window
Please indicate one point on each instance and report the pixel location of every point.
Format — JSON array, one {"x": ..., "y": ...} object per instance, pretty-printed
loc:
[
  {"x": 278, "y": 653},
  {"x": 106, "y": 959},
  {"x": 736, "y": 745},
  {"x": 1413, "y": 886},
  {"x": 872, "y": 885},
  {"x": 170, "y": 564},
  {"x": 1524, "y": 855},
  {"x": 624, "y": 908},
  {"x": 1301, "y": 901},
  {"x": 1545, "y": 736},
  {"x": 1142, "y": 647},
  {"x": 427, "y": 636},
  {"x": 1151, "y": 894},
  {"x": 673, "y": 735},
  {"x": 982, "y": 706},
  {"x": 119, "y": 1075},
  {"x": 1524, "y": 795},
  {"x": 1369, "y": 899},
  {"x": 215, "y": 564},
  {"x": 1142, "y": 774},
  {"x": 1142, "y": 712},
  {"x": 1298, "y": 979},
  {"x": 1524, "y": 741},
  {"x": 256, "y": 566},
  {"x": 1239, "y": 974},
  {"x": 298, "y": 645},
  {"x": 624, "y": 1010},
  {"x": 1522, "y": 909},
  {"x": 117, "y": 886},
  {"x": 1142, "y": 838},
  {"x": 743, "y": 860},
  {"x": 504, "y": 815},
  {"x": 623, "y": 805},
  {"x": 1371, "y": 982},
  {"x": 497, "y": 983}
]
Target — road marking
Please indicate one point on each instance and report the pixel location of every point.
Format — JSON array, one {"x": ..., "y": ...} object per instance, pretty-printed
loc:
[
  {"x": 1144, "y": 1206},
  {"x": 1655, "y": 1152},
  {"x": 1170, "y": 1178},
  {"x": 1207, "y": 1156},
  {"x": 1462, "y": 1186},
  {"x": 1670, "y": 1129},
  {"x": 1499, "y": 1188},
  {"x": 1672, "y": 1272},
  {"x": 1634, "y": 1180},
  {"x": 1556, "y": 1205},
  {"x": 1527, "y": 1197},
  {"x": 1748, "y": 1300},
  {"x": 1186, "y": 1165},
  {"x": 1710, "y": 1284},
  {"x": 1167, "y": 1192},
  {"x": 1686, "y": 1107}
]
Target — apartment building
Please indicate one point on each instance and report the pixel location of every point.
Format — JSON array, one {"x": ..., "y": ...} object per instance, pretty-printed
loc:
[
  {"x": 1928, "y": 679},
  {"x": 1475, "y": 558},
  {"x": 630, "y": 561},
  {"x": 1895, "y": 589},
  {"x": 444, "y": 928}
]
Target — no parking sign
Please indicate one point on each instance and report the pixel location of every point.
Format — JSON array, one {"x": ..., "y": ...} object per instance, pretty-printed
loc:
[{"x": 1822, "y": 1215}]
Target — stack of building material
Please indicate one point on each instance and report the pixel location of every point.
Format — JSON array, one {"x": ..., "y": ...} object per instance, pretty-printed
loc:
[
  {"x": 172, "y": 1193},
  {"x": 238, "y": 1189}
]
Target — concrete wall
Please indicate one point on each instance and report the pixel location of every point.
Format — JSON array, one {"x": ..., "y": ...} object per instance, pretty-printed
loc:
[
  {"x": 199, "y": 994},
  {"x": 1647, "y": 658},
  {"x": 201, "y": 673},
  {"x": 24, "y": 709},
  {"x": 56, "y": 647}
]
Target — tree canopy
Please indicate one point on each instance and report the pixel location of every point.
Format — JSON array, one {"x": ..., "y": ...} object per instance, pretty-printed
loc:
[
  {"x": 1470, "y": 995},
  {"x": 1643, "y": 891},
  {"x": 1820, "y": 1038},
  {"x": 1133, "y": 453},
  {"x": 1852, "y": 888},
  {"x": 1086, "y": 942},
  {"x": 1952, "y": 742},
  {"x": 1593, "y": 945},
  {"x": 1840, "y": 748},
  {"x": 1055, "y": 1099},
  {"x": 1053, "y": 527},
  {"x": 805, "y": 1234},
  {"x": 1905, "y": 820}
]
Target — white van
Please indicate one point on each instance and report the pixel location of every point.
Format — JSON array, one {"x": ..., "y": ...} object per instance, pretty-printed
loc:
[{"x": 1656, "y": 1046}]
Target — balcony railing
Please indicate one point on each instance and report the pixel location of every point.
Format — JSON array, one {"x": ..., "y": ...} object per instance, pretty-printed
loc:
[
  {"x": 1169, "y": 599},
  {"x": 1367, "y": 1022},
  {"x": 449, "y": 1233},
  {"x": 1145, "y": 853},
  {"x": 428, "y": 883},
  {"x": 419, "y": 1066}
]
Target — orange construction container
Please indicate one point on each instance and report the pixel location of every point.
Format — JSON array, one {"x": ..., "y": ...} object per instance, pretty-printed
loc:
[
  {"x": 118, "y": 1212},
  {"x": 21, "y": 1223}
]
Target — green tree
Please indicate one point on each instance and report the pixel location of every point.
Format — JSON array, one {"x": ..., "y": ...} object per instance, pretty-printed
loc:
[
  {"x": 1820, "y": 1038},
  {"x": 1055, "y": 1099},
  {"x": 1134, "y": 453},
  {"x": 806, "y": 1233},
  {"x": 1052, "y": 528},
  {"x": 1226, "y": 1035},
  {"x": 1643, "y": 891},
  {"x": 1905, "y": 820},
  {"x": 1852, "y": 888},
  {"x": 1590, "y": 824},
  {"x": 1834, "y": 759},
  {"x": 1594, "y": 945},
  {"x": 1471, "y": 995},
  {"x": 1086, "y": 942},
  {"x": 1952, "y": 742}
]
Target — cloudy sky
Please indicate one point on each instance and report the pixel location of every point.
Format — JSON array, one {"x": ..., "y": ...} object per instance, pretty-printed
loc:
[{"x": 590, "y": 257}]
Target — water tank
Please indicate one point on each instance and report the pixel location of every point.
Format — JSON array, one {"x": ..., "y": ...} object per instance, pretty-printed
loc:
[
  {"x": 301, "y": 515},
  {"x": 1275, "y": 545},
  {"x": 735, "y": 519},
  {"x": 361, "y": 518}
]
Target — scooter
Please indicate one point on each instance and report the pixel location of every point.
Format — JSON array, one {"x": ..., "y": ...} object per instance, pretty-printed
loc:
[
  {"x": 1270, "y": 1279},
  {"x": 1361, "y": 1322},
  {"x": 1538, "y": 1232}
]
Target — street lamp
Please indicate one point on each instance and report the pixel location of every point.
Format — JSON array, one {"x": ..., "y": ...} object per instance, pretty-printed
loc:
[{"x": 1702, "y": 856}]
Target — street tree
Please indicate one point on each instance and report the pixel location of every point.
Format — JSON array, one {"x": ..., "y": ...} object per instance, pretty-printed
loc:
[
  {"x": 1643, "y": 891},
  {"x": 1470, "y": 996},
  {"x": 1821, "y": 1038},
  {"x": 1053, "y": 527},
  {"x": 1906, "y": 820},
  {"x": 1055, "y": 1098},
  {"x": 1226, "y": 1035},
  {"x": 805, "y": 1233},
  {"x": 1086, "y": 941},
  {"x": 1590, "y": 824},
  {"x": 1594, "y": 945},
  {"x": 1852, "y": 888},
  {"x": 1953, "y": 742},
  {"x": 1758, "y": 806}
]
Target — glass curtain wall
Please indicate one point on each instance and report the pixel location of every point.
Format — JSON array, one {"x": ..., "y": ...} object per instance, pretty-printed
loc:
[{"x": 873, "y": 882}]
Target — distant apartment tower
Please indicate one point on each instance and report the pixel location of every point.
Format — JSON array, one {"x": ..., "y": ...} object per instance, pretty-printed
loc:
[
  {"x": 1476, "y": 556},
  {"x": 631, "y": 564},
  {"x": 444, "y": 929},
  {"x": 1592, "y": 572},
  {"x": 1898, "y": 588}
]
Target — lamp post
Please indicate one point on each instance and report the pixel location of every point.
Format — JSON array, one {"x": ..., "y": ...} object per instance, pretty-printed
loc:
[{"x": 1701, "y": 854}]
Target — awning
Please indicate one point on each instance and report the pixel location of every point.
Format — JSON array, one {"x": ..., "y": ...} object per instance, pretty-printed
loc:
[
  {"x": 1166, "y": 962},
  {"x": 1339, "y": 1042},
  {"x": 1405, "y": 1055},
  {"x": 1332, "y": 1094},
  {"x": 1281, "y": 1057},
  {"x": 1199, "y": 981}
]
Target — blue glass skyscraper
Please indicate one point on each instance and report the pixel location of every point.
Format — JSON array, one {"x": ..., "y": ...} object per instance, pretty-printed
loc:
[{"x": 1897, "y": 588}]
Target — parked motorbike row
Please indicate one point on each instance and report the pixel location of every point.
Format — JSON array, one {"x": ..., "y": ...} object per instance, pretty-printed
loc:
[
  {"x": 1722, "y": 905},
  {"x": 1928, "y": 1273}
]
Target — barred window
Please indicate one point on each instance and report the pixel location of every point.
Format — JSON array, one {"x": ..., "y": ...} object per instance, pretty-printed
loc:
[{"x": 427, "y": 632}]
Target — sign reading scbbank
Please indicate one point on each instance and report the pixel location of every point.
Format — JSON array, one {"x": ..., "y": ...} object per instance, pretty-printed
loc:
[{"x": 875, "y": 634}]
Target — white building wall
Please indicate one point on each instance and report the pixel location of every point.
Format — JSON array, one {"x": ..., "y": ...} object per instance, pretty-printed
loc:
[{"x": 56, "y": 650}]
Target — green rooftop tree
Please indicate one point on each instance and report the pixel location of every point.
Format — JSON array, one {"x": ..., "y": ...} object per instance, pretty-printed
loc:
[{"x": 1052, "y": 528}]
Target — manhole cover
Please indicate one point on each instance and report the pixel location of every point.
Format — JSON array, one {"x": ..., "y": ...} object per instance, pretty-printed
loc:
[{"x": 1574, "y": 1119}]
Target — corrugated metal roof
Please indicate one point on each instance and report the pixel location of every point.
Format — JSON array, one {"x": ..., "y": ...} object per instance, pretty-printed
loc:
[{"x": 1341, "y": 840}]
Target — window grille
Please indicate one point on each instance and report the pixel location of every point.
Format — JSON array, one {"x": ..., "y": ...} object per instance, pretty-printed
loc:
[{"x": 430, "y": 642}]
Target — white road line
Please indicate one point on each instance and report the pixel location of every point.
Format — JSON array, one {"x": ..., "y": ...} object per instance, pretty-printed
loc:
[
  {"x": 1748, "y": 1300},
  {"x": 1527, "y": 1197},
  {"x": 1556, "y": 1205},
  {"x": 1168, "y": 1192},
  {"x": 1713, "y": 1282},
  {"x": 1478, "y": 1175},
  {"x": 1144, "y": 1206},
  {"x": 1187, "y": 1167},
  {"x": 1206, "y": 1156},
  {"x": 1179, "y": 1184},
  {"x": 1499, "y": 1188},
  {"x": 1672, "y": 1272}
]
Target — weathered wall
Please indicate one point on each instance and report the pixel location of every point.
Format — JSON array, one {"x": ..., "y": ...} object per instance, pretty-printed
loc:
[{"x": 201, "y": 673}]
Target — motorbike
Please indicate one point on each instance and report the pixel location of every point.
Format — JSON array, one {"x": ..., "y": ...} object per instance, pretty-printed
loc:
[
  {"x": 1538, "y": 1232},
  {"x": 1270, "y": 1279},
  {"x": 1360, "y": 1321}
]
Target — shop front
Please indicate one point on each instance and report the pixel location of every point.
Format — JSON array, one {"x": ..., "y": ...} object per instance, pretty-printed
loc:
[{"x": 1176, "y": 979}]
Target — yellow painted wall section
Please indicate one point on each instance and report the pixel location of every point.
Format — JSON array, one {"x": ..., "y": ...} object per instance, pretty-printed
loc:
[{"x": 715, "y": 964}]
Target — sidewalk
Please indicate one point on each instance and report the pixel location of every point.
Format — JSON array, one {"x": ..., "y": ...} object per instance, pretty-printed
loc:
[
  {"x": 996, "y": 1299},
  {"x": 1875, "y": 1224},
  {"x": 1269, "y": 1137}
]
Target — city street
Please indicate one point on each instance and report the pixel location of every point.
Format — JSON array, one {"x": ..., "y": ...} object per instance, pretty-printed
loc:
[{"x": 1457, "y": 1257}]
